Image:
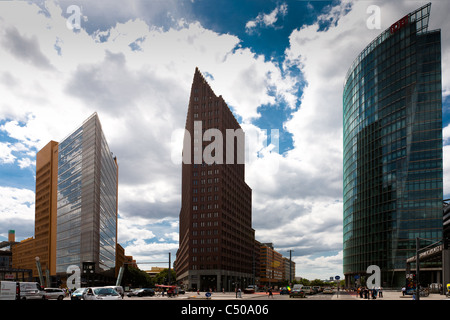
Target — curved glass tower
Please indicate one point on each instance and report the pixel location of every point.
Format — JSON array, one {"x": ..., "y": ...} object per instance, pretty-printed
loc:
[{"x": 392, "y": 163}]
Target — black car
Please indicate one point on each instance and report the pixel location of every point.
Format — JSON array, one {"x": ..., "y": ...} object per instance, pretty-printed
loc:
[{"x": 144, "y": 292}]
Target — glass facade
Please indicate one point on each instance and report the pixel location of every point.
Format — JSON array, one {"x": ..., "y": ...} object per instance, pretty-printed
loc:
[
  {"x": 393, "y": 148},
  {"x": 87, "y": 200}
]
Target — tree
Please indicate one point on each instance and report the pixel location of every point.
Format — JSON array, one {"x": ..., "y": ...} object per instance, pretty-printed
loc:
[
  {"x": 136, "y": 278},
  {"x": 163, "y": 277}
]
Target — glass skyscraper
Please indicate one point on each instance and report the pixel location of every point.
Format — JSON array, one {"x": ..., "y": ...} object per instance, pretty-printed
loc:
[
  {"x": 87, "y": 200},
  {"x": 392, "y": 126}
]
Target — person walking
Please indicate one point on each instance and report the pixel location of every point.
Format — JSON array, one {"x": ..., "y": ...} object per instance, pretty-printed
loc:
[
  {"x": 270, "y": 293},
  {"x": 380, "y": 292}
]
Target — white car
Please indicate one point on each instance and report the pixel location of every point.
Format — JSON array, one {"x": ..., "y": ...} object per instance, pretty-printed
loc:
[
  {"x": 102, "y": 293},
  {"x": 119, "y": 290}
]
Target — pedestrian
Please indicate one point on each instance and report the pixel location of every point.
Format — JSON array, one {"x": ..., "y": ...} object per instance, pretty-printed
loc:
[
  {"x": 270, "y": 293},
  {"x": 380, "y": 293},
  {"x": 403, "y": 291},
  {"x": 240, "y": 293}
]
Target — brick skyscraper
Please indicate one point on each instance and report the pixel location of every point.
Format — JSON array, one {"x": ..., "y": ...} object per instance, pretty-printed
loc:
[{"x": 216, "y": 235}]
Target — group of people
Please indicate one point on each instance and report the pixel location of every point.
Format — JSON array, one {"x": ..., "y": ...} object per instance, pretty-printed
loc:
[{"x": 367, "y": 293}]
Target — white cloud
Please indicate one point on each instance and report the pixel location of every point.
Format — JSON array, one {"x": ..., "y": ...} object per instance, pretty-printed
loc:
[
  {"x": 6, "y": 155},
  {"x": 267, "y": 20},
  {"x": 142, "y": 96},
  {"x": 17, "y": 211}
]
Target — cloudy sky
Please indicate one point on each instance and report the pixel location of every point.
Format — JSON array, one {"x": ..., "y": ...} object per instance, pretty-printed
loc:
[{"x": 280, "y": 65}]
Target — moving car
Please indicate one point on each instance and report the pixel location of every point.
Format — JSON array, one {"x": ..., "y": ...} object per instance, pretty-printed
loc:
[
  {"x": 78, "y": 294},
  {"x": 119, "y": 290},
  {"x": 297, "y": 293},
  {"x": 102, "y": 293},
  {"x": 249, "y": 290},
  {"x": 284, "y": 290},
  {"x": 54, "y": 293},
  {"x": 144, "y": 292},
  {"x": 308, "y": 290},
  {"x": 328, "y": 290}
]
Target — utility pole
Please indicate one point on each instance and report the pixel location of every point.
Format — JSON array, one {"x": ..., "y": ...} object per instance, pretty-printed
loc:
[
  {"x": 290, "y": 266},
  {"x": 417, "y": 269},
  {"x": 169, "y": 269}
]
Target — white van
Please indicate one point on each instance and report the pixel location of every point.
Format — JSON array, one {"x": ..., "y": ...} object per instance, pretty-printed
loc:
[
  {"x": 30, "y": 290},
  {"x": 7, "y": 290}
]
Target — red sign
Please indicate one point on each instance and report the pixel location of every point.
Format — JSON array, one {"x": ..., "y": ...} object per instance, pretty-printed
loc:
[{"x": 400, "y": 24}]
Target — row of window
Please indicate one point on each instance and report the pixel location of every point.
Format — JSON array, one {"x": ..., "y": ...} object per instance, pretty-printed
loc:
[
  {"x": 205, "y": 207},
  {"x": 208, "y": 198},
  {"x": 206, "y": 172},
  {"x": 206, "y": 215},
  {"x": 205, "y": 224},
  {"x": 203, "y": 190},
  {"x": 204, "y": 181}
]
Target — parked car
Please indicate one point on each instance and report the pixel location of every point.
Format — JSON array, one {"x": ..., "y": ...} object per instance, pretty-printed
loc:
[
  {"x": 54, "y": 293},
  {"x": 102, "y": 293},
  {"x": 78, "y": 294},
  {"x": 144, "y": 292}
]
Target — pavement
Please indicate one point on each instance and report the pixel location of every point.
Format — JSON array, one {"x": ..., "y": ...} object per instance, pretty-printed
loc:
[{"x": 388, "y": 295}]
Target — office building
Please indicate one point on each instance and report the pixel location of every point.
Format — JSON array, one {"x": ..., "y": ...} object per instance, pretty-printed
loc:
[
  {"x": 75, "y": 208},
  {"x": 43, "y": 245},
  {"x": 216, "y": 236},
  {"x": 392, "y": 162},
  {"x": 87, "y": 201},
  {"x": 271, "y": 266}
]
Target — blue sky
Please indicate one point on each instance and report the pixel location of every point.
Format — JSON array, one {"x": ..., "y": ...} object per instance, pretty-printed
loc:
[{"x": 280, "y": 65}]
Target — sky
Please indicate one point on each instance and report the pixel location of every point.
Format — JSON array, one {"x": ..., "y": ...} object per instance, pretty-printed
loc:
[{"x": 279, "y": 65}]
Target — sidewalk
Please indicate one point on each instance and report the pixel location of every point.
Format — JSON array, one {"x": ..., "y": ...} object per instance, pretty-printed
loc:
[{"x": 388, "y": 295}]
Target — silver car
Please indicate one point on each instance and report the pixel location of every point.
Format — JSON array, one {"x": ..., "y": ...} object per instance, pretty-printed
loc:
[
  {"x": 54, "y": 293},
  {"x": 102, "y": 293}
]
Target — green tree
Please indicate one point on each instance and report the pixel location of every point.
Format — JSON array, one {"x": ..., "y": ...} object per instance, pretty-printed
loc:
[
  {"x": 136, "y": 278},
  {"x": 163, "y": 277}
]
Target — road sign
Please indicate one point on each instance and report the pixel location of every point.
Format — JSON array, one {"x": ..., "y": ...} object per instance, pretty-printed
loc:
[{"x": 337, "y": 277}]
